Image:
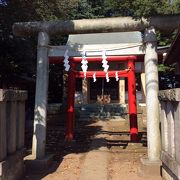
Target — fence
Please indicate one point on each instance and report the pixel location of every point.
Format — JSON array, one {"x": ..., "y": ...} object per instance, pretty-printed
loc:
[
  {"x": 170, "y": 130},
  {"x": 12, "y": 122}
]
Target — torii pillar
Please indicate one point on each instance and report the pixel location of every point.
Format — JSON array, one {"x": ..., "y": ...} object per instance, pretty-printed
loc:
[
  {"x": 40, "y": 111},
  {"x": 152, "y": 102}
]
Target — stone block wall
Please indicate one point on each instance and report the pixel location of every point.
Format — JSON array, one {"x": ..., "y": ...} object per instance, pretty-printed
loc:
[
  {"x": 170, "y": 133},
  {"x": 12, "y": 126}
]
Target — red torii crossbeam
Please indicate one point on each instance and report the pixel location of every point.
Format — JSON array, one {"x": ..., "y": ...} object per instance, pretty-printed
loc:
[
  {"x": 128, "y": 73},
  {"x": 101, "y": 74}
]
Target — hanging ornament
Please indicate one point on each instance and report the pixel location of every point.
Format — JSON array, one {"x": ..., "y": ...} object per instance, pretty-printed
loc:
[
  {"x": 104, "y": 61},
  {"x": 107, "y": 77},
  {"x": 84, "y": 63},
  {"x": 116, "y": 76},
  {"x": 94, "y": 77},
  {"x": 66, "y": 61}
]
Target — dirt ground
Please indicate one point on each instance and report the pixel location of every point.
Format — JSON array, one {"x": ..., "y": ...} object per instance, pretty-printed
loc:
[{"x": 101, "y": 150}]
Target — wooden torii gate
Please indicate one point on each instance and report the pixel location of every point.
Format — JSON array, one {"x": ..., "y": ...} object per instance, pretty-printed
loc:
[
  {"x": 118, "y": 24},
  {"x": 128, "y": 73}
]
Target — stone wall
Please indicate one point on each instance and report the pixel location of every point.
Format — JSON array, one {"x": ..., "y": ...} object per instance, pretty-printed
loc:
[
  {"x": 12, "y": 122},
  {"x": 170, "y": 136}
]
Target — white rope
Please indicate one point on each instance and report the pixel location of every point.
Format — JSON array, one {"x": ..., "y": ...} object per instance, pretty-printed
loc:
[
  {"x": 116, "y": 76},
  {"x": 94, "y": 77},
  {"x": 66, "y": 61},
  {"x": 107, "y": 77},
  {"x": 105, "y": 65},
  {"x": 104, "y": 61},
  {"x": 84, "y": 63}
]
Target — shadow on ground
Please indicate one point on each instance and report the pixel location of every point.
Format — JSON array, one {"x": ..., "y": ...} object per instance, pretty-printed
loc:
[{"x": 84, "y": 133}]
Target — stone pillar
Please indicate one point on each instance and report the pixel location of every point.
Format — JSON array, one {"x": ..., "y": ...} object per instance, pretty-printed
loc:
[
  {"x": 40, "y": 111},
  {"x": 122, "y": 91},
  {"x": 11, "y": 126},
  {"x": 85, "y": 90},
  {"x": 152, "y": 102},
  {"x": 11, "y": 133},
  {"x": 3, "y": 131},
  {"x": 20, "y": 132}
]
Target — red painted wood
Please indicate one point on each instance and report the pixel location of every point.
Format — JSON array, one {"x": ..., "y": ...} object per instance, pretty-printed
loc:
[
  {"x": 130, "y": 73},
  {"x": 70, "y": 104},
  {"x": 89, "y": 74},
  {"x": 132, "y": 102},
  {"x": 57, "y": 60}
]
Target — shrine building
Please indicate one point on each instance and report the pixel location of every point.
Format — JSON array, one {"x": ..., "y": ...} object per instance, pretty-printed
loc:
[{"x": 100, "y": 91}]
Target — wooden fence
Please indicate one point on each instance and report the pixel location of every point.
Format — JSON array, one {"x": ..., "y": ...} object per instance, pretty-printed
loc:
[{"x": 170, "y": 132}]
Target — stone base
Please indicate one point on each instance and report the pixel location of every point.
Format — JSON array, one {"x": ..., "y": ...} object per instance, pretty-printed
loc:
[
  {"x": 167, "y": 174},
  {"x": 134, "y": 146},
  {"x": 170, "y": 167},
  {"x": 38, "y": 165},
  {"x": 147, "y": 162},
  {"x": 12, "y": 167},
  {"x": 153, "y": 168}
]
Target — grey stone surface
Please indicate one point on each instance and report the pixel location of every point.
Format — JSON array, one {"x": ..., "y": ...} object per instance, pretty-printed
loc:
[
  {"x": 169, "y": 95},
  {"x": 20, "y": 125},
  {"x": 167, "y": 174},
  {"x": 171, "y": 163},
  {"x": 3, "y": 135},
  {"x": 150, "y": 167},
  {"x": 170, "y": 122},
  {"x": 12, "y": 117},
  {"x": 12, "y": 95},
  {"x": 38, "y": 165},
  {"x": 152, "y": 88},
  {"x": 164, "y": 127},
  {"x": 12, "y": 168},
  {"x": 40, "y": 111},
  {"x": 177, "y": 134},
  {"x": 99, "y": 25},
  {"x": 11, "y": 126},
  {"x": 147, "y": 162}
]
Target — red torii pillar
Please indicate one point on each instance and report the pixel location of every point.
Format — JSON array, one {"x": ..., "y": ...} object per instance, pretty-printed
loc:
[
  {"x": 131, "y": 90},
  {"x": 70, "y": 102},
  {"x": 132, "y": 101}
]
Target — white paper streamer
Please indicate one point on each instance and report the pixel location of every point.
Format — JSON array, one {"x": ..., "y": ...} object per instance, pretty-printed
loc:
[
  {"x": 116, "y": 76},
  {"x": 66, "y": 61},
  {"x": 94, "y": 77},
  {"x": 104, "y": 61},
  {"x": 107, "y": 77},
  {"x": 84, "y": 63}
]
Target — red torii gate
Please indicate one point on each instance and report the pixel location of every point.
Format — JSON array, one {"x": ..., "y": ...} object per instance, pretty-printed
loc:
[{"x": 128, "y": 73}]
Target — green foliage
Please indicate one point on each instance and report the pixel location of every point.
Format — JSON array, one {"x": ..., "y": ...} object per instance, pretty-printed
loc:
[
  {"x": 18, "y": 56},
  {"x": 163, "y": 68}
]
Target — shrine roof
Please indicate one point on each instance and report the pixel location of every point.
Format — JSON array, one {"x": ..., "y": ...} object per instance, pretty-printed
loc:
[
  {"x": 173, "y": 55},
  {"x": 105, "y": 38},
  {"x": 117, "y": 43}
]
